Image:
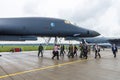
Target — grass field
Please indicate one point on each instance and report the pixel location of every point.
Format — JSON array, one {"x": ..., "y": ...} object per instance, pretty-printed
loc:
[{"x": 24, "y": 48}]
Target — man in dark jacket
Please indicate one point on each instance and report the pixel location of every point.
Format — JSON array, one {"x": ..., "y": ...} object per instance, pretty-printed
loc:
[
  {"x": 114, "y": 50},
  {"x": 85, "y": 50},
  {"x": 62, "y": 50},
  {"x": 75, "y": 50},
  {"x": 40, "y": 50},
  {"x": 71, "y": 51}
]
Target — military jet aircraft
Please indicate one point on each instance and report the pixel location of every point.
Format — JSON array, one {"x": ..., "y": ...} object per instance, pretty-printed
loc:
[
  {"x": 110, "y": 40},
  {"x": 29, "y": 28}
]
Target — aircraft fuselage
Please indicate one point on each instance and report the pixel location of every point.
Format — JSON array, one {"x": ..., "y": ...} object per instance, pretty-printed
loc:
[{"x": 48, "y": 27}]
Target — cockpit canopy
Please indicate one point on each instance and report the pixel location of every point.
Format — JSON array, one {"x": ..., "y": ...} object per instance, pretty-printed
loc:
[{"x": 69, "y": 22}]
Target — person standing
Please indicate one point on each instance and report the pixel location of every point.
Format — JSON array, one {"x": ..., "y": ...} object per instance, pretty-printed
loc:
[
  {"x": 97, "y": 51},
  {"x": 85, "y": 50},
  {"x": 40, "y": 50},
  {"x": 81, "y": 51},
  {"x": 71, "y": 51},
  {"x": 89, "y": 49},
  {"x": 75, "y": 50},
  {"x": 55, "y": 52},
  {"x": 62, "y": 48},
  {"x": 114, "y": 50},
  {"x": 68, "y": 51}
]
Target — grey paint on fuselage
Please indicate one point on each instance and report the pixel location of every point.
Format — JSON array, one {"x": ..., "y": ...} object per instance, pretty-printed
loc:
[
  {"x": 111, "y": 40},
  {"x": 49, "y": 27},
  {"x": 96, "y": 40}
]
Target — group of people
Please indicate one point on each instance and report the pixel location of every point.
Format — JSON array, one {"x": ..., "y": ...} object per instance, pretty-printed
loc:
[
  {"x": 83, "y": 50},
  {"x": 72, "y": 50}
]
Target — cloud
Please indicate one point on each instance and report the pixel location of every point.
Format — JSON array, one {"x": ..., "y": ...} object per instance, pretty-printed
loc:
[
  {"x": 108, "y": 23},
  {"x": 89, "y": 9},
  {"x": 11, "y": 8},
  {"x": 92, "y": 14}
]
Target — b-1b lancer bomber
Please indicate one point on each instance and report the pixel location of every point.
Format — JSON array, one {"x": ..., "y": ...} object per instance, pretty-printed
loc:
[{"x": 29, "y": 28}]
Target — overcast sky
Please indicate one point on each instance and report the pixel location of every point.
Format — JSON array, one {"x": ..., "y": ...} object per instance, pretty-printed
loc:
[{"x": 100, "y": 15}]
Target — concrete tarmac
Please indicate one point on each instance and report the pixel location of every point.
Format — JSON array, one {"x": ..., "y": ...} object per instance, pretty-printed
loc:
[{"x": 28, "y": 66}]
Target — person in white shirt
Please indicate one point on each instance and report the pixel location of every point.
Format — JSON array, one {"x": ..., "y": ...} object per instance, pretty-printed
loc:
[
  {"x": 97, "y": 51},
  {"x": 55, "y": 52}
]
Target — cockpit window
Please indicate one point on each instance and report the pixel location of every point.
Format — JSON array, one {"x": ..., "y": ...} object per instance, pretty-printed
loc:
[{"x": 68, "y": 22}]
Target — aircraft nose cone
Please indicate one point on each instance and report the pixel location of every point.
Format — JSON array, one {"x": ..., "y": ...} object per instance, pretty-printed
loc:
[
  {"x": 92, "y": 33},
  {"x": 95, "y": 33}
]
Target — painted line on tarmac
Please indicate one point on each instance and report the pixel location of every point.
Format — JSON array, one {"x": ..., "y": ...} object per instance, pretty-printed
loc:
[
  {"x": 48, "y": 67},
  {"x": 43, "y": 68}
]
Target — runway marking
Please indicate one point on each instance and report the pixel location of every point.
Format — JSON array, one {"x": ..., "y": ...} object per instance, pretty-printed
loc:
[
  {"x": 48, "y": 67},
  {"x": 43, "y": 68}
]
